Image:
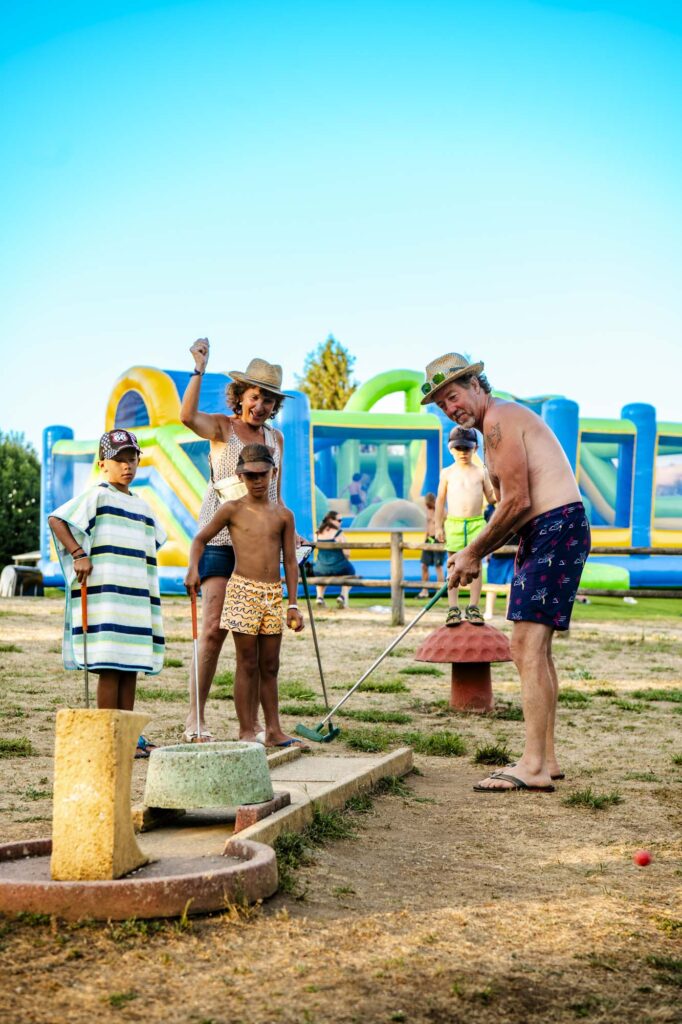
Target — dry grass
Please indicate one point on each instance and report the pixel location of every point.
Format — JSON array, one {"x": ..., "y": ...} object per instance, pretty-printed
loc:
[{"x": 446, "y": 906}]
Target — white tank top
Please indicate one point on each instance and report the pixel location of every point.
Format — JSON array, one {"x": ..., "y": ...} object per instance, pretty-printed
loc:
[{"x": 223, "y": 459}]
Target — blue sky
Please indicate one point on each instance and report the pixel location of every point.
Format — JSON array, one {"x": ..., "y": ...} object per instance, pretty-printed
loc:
[{"x": 498, "y": 178}]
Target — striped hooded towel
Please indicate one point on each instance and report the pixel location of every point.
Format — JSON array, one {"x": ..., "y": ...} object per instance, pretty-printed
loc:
[{"x": 120, "y": 535}]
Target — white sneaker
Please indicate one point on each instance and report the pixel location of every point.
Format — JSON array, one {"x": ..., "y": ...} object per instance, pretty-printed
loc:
[
  {"x": 340, "y": 603},
  {"x": 321, "y": 603}
]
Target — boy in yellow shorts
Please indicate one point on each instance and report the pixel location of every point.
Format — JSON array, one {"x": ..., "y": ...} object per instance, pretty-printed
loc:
[
  {"x": 462, "y": 486},
  {"x": 260, "y": 529}
]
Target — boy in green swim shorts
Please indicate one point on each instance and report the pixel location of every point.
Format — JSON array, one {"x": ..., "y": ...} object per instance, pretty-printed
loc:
[{"x": 462, "y": 488}]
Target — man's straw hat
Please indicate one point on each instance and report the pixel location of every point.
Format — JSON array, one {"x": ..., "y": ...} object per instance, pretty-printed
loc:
[
  {"x": 443, "y": 371},
  {"x": 261, "y": 374}
]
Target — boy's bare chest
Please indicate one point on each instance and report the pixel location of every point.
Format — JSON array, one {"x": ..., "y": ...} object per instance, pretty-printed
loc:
[
  {"x": 465, "y": 481},
  {"x": 258, "y": 526}
]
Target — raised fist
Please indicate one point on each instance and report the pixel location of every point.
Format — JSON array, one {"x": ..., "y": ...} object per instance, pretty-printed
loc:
[{"x": 200, "y": 352}]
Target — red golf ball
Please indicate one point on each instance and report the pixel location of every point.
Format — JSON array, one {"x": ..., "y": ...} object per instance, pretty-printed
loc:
[{"x": 642, "y": 858}]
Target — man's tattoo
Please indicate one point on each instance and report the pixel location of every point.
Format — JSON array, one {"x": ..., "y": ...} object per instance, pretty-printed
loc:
[{"x": 494, "y": 436}]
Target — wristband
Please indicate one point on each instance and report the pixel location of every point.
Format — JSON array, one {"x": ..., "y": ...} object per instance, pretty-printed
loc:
[
  {"x": 78, "y": 557},
  {"x": 73, "y": 553},
  {"x": 197, "y": 373},
  {"x": 292, "y": 608}
]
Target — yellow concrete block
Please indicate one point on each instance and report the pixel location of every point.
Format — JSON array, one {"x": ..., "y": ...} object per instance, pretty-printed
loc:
[{"x": 92, "y": 828}]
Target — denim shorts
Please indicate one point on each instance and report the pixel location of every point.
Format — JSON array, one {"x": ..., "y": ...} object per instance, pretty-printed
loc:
[
  {"x": 433, "y": 558},
  {"x": 217, "y": 560}
]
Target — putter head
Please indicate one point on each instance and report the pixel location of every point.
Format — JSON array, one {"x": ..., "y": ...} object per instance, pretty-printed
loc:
[{"x": 318, "y": 734}]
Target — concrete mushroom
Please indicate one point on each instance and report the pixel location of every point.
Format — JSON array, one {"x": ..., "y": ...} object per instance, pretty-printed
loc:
[{"x": 470, "y": 649}]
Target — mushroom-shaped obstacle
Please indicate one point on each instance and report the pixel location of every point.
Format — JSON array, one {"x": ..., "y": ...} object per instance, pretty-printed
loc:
[{"x": 470, "y": 649}]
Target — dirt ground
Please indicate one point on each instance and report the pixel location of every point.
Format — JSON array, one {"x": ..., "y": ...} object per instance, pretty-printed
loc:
[{"x": 447, "y": 905}]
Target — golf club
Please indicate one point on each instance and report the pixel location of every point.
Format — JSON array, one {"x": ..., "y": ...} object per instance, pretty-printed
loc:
[
  {"x": 332, "y": 730},
  {"x": 316, "y": 734},
  {"x": 84, "y": 623},
  {"x": 195, "y": 641}
]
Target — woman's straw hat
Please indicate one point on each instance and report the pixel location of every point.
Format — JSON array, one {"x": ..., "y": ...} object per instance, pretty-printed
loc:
[
  {"x": 443, "y": 371},
  {"x": 261, "y": 374}
]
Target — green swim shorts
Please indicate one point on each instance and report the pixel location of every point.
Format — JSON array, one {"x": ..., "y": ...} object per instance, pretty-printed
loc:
[{"x": 460, "y": 532}]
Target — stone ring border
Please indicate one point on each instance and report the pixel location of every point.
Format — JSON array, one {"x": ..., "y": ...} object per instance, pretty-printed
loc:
[{"x": 195, "y": 892}]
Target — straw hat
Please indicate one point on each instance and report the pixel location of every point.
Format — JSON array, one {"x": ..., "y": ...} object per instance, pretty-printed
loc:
[
  {"x": 261, "y": 374},
  {"x": 443, "y": 371}
]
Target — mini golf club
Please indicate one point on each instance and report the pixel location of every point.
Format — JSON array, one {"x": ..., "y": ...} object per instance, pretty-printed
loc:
[
  {"x": 332, "y": 730},
  {"x": 317, "y": 735},
  {"x": 84, "y": 624}
]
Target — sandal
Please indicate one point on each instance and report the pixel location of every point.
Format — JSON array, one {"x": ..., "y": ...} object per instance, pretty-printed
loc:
[
  {"x": 454, "y": 617},
  {"x": 144, "y": 747},
  {"x": 473, "y": 615},
  {"x": 194, "y": 737}
]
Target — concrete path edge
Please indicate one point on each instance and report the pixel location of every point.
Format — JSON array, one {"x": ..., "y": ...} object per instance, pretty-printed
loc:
[{"x": 296, "y": 816}]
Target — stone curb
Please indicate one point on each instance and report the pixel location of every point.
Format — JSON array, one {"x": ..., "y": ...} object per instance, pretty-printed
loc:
[
  {"x": 299, "y": 813},
  {"x": 249, "y": 814}
]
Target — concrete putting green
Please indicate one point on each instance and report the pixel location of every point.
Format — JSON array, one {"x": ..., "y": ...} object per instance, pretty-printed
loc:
[{"x": 197, "y": 862}]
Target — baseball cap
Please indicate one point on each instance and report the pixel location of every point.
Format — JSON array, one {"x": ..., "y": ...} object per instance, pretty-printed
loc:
[
  {"x": 254, "y": 458},
  {"x": 462, "y": 437},
  {"x": 114, "y": 441}
]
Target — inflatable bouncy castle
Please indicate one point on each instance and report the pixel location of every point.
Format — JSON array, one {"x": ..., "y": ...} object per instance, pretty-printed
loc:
[{"x": 375, "y": 468}]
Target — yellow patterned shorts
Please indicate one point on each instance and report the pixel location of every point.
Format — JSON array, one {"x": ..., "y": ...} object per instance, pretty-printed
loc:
[{"x": 252, "y": 607}]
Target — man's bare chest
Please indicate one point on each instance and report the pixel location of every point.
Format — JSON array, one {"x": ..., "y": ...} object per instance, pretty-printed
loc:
[{"x": 489, "y": 460}]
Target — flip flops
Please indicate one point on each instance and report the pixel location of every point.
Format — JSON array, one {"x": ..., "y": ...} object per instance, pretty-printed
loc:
[
  {"x": 517, "y": 786},
  {"x": 555, "y": 778},
  {"x": 194, "y": 737},
  {"x": 291, "y": 742},
  {"x": 144, "y": 747}
]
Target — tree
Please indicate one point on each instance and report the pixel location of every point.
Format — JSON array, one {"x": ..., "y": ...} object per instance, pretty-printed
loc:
[
  {"x": 326, "y": 375},
  {"x": 19, "y": 497}
]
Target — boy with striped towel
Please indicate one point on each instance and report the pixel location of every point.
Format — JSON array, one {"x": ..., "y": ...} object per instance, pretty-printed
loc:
[{"x": 108, "y": 537}]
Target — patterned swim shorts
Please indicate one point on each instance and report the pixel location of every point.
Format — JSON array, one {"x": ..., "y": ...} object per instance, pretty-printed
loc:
[
  {"x": 460, "y": 532},
  {"x": 553, "y": 549},
  {"x": 252, "y": 607}
]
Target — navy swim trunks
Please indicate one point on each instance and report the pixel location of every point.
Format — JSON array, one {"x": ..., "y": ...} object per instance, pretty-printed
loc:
[{"x": 553, "y": 549}]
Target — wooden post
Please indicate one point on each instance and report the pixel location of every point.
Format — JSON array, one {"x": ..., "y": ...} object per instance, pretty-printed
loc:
[{"x": 397, "y": 592}]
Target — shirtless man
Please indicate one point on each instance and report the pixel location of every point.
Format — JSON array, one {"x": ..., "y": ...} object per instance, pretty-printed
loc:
[
  {"x": 261, "y": 529},
  {"x": 540, "y": 501},
  {"x": 462, "y": 486}
]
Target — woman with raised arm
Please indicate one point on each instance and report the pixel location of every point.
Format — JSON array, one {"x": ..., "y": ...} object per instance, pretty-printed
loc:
[{"x": 254, "y": 396}]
